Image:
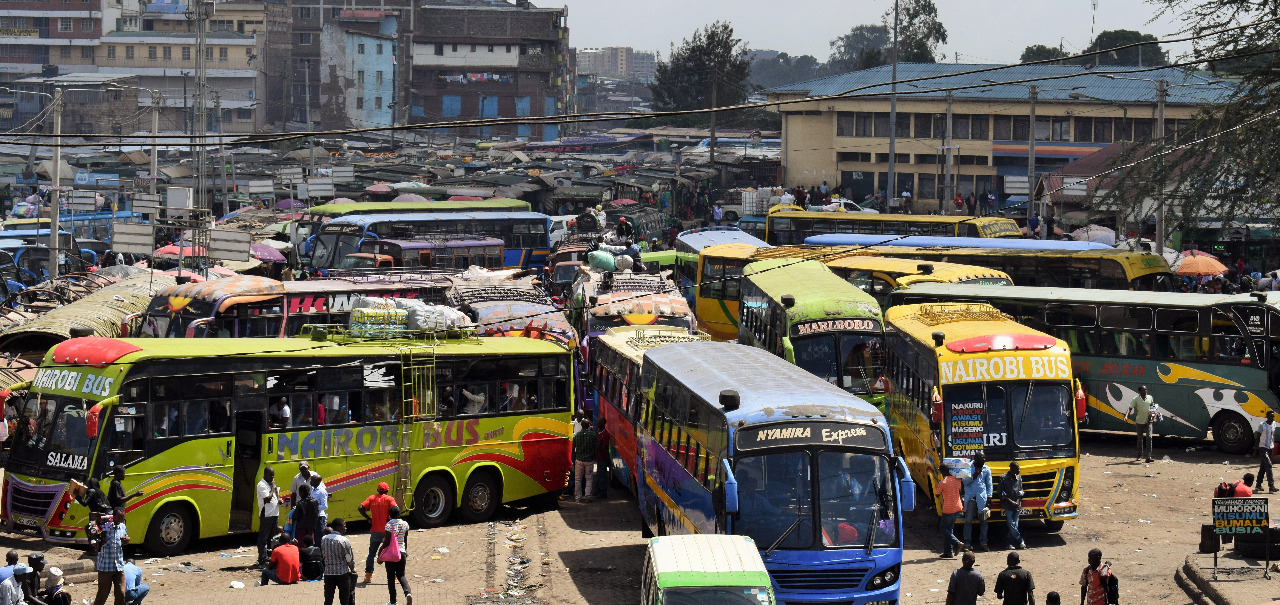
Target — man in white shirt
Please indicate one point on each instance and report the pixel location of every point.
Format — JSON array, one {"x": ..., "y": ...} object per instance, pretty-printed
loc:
[
  {"x": 279, "y": 415},
  {"x": 268, "y": 496},
  {"x": 302, "y": 478},
  {"x": 1266, "y": 441}
]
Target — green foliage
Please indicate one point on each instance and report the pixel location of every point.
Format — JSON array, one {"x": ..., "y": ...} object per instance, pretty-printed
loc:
[
  {"x": 785, "y": 69},
  {"x": 1146, "y": 55},
  {"x": 919, "y": 31},
  {"x": 712, "y": 57},
  {"x": 1040, "y": 52},
  {"x": 863, "y": 47}
]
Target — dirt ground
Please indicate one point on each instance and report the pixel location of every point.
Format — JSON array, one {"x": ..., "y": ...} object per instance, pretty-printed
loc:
[{"x": 1144, "y": 517}]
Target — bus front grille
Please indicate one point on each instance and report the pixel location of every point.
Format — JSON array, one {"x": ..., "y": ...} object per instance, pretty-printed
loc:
[
  {"x": 28, "y": 502},
  {"x": 1039, "y": 486},
  {"x": 842, "y": 578}
]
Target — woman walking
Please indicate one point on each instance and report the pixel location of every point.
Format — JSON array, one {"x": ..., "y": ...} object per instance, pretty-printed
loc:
[{"x": 398, "y": 530}]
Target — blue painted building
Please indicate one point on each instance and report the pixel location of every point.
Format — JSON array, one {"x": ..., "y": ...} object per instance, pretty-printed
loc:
[{"x": 358, "y": 87}]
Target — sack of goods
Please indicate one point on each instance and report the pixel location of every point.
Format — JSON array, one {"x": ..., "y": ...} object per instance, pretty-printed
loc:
[
  {"x": 601, "y": 260},
  {"x": 432, "y": 318},
  {"x": 960, "y": 468}
]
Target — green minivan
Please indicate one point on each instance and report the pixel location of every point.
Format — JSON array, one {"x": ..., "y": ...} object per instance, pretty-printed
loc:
[{"x": 704, "y": 570}]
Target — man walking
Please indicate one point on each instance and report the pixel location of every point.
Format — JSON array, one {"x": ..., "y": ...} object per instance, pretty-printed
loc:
[
  {"x": 1095, "y": 580},
  {"x": 1014, "y": 585},
  {"x": 339, "y": 565},
  {"x": 1266, "y": 442},
  {"x": 1011, "y": 500},
  {"x": 977, "y": 494},
  {"x": 377, "y": 505},
  {"x": 584, "y": 456},
  {"x": 268, "y": 511},
  {"x": 949, "y": 488},
  {"x": 966, "y": 583},
  {"x": 1140, "y": 414}
]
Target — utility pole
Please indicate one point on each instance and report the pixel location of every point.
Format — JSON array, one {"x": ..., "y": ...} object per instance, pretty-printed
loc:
[
  {"x": 892, "y": 187},
  {"x": 1162, "y": 92},
  {"x": 55, "y": 201},
  {"x": 156, "y": 101},
  {"x": 712, "y": 147},
  {"x": 1032, "y": 93},
  {"x": 201, "y": 16},
  {"x": 950, "y": 183}
]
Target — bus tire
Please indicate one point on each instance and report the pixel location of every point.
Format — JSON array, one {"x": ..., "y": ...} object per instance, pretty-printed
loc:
[
  {"x": 432, "y": 501},
  {"x": 171, "y": 530},
  {"x": 480, "y": 498},
  {"x": 1232, "y": 434},
  {"x": 731, "y": 216},
  {"x": 1052, "y": 526}
]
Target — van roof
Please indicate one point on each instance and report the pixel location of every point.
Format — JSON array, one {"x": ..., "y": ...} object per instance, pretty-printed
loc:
[{"x": 707, "y": 560}]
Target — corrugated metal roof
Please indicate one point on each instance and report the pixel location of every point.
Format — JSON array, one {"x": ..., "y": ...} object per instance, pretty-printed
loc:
[{"x": 1185, "y": 87}]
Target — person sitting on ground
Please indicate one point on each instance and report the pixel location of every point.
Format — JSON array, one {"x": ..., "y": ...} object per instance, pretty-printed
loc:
[
  {"x": 134, "y": 590},
  {"x": 55, "y": 593},
  {"x": 285, "y": 566},
  {"x": 1238, "y": 489},
  {"x": 312, "y": 560}
]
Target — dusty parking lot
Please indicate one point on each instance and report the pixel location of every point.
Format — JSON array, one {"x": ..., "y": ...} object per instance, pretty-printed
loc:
[{"x": 1144, "y": 517}]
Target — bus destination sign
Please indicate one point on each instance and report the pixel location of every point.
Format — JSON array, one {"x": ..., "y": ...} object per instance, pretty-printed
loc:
[
  {"x": 800, "y": 434},
  {"x": 835, "y": 325}
]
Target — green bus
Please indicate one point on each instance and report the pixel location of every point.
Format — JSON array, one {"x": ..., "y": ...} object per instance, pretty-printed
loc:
[
  {"x": 802, "y": 312},
  {"x": 463, "y": 423},
  {"x": 704, "y": 568},
  {"x": 1210, "y": 361}
]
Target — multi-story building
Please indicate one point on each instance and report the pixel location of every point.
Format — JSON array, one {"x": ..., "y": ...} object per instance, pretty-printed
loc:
[
  {"x": 622, "y": 62},
  {"x": 359, "y": 90},
  {"x": 475, "y": 59},
  {"x": 36, "y": 33},
  {"x": 92, "y": 103},
  {"x": 981, "y": 128}
]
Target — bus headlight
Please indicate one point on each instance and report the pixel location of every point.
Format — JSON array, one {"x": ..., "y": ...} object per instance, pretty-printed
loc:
[
  {"x": 1068, "y": 484},
  {"x": 884, "y": 579}
]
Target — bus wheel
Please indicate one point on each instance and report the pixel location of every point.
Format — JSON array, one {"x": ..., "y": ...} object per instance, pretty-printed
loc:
[
  {"x": 432, "y": 502},
  {"x": 1232, "y": 434},
  {"x": 1053, "y": 527},
  {"x": 171, "y": 530},
  {"x": 479, "y": 498}
]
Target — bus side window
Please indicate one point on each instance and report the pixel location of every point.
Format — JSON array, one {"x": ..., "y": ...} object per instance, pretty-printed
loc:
[
  {"x": 195, "y": 418},
  {"x": 334, "y": 410},
  {"x": 303, "y": 409},
  {"x": 164, "y": 420}
]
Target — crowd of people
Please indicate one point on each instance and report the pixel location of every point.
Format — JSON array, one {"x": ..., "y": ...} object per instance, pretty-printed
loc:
[{"x": 1015, "y": 585}]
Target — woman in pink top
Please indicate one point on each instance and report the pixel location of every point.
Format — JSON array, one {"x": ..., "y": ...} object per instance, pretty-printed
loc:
[{"x": 949, "y": 487}]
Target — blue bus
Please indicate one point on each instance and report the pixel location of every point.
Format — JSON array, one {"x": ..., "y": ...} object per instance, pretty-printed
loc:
[
  {"x": 925, "y": 241},
  {"x": 732, "y": 439},
  {"x": 525, "y": 234},
  {"x": 694, "y": 240},
  {"x": 85, "y": 225}
]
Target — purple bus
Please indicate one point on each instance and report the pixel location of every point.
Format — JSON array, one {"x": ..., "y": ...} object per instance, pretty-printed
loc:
[{"x": 437, "y": 251}]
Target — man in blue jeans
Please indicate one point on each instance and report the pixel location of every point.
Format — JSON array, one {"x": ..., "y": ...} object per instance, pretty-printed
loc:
[
  {"x": 977, "y": 493},
  {"x": 1011, "y": 499},
  {"x": 134, "y": 589}
]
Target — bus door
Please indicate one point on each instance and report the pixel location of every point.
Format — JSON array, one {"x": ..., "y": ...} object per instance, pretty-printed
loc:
[
  {"x": 250, "y": 425},
  {"x": 1273, "y": 352}
]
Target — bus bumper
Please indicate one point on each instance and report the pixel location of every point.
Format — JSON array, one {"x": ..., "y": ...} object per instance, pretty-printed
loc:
[
  {"x": 854, "y": 578},
  {"x": 44, "y": 509}
]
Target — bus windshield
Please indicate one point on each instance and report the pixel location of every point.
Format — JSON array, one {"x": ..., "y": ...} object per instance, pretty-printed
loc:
[
  {"x": 358, "y": 261},
  {"x": 1023, "y": 419},
  {"x": 50, "y": 425},
  {"x": 848, "y": 360},
  {"x": 855, "y": 506},
  {"x": 714, "y": 595},
  {"x": 165, "y": 325}
]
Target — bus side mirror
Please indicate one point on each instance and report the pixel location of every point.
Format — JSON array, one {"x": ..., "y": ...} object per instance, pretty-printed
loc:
[
  {"x": 199, "y": 328},
  {"x": 730, "y": 490},
  {"x": 91, "y": 422},
  {"x": 906, "y": 486},
  {"x": 127, "y": 325}
]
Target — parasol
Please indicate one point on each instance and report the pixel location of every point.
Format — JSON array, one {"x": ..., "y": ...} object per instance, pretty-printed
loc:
[{"x": 1200, "y": 266}]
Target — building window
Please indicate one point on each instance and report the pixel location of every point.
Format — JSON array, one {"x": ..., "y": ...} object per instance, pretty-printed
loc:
[
  {"x": 379, "y": 48},
  {"x": 377, "y": 102},
  {"x": 64, "y": 24},
  {"x": 128, "y": 52},
  {"x": 508, "y": 49},
  {"x": 64, "y": 52},
  {"x": 208, "y": 54},
  {"x": 222, "y": 25},
  {"x": 852, "y": 156},
  {"x": 86, "y": 52},
  {"x": 490, "y": 48},
  {"x": 86, "y": 25},
  {"x": 844, "y": 124},
  {"x": 863, "y": 124},
  {"x": 186, "y": 53},
  {"x": 360, "y": 49},
  {"x": 439, "y": 50},
  {"x": 244, "y": 114},
  {"x": 473, "y": 48},
  {"x": 304, "y": 38},
  {"x": 359, "y": 102},
  {"x": 360, "y": 77},
  {"x": 111, "y": 52},
  {"x": 335, "y": 12},
  {"x": 379, "y": 78},
  {"x": 304, "y": 12},
  {"x": 455, "y": 48},
  {"x": 4, "y": 22},
  {"x": 168, "y": 53},
  {"x": 222, "y": 53},
  {"x": 152, "y": 53}
]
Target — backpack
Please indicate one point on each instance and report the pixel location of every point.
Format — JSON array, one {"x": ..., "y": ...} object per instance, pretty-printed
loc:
[
  {"x": 1112, "y": 585},
  {"x": 1225, "y": 490}
]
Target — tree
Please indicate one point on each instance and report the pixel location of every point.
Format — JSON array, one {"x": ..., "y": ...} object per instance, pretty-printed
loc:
[
  {"x": 862, "y": 48},
  {"x": 713, "y": 57},
  {"x": 1040, "y": 52},
  {"x": 1146, "y": 54},
  {"x": 919, "y": 31},
  {"x": 785, "y": 69}
]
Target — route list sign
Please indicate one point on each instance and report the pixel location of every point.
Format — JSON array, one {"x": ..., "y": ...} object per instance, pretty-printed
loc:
[
  {"x": 1240, "y": 516},
  {"x": 966, "y": 435}
]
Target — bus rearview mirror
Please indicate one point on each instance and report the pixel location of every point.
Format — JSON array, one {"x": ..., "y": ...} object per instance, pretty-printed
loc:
[
  {"x": 730, "y": 490},
  {"x": 906, "y": 486}
]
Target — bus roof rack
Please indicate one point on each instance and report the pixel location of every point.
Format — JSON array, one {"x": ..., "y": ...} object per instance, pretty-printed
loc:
[
  {"x": 346, "y": 335},
  {"x": 463, "y": 294},
  {"x": 944, "y": 313},
  {"x": 391, "y": 275}
]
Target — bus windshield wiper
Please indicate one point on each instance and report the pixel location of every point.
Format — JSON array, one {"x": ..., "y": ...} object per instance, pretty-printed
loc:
[
  {"x": 778, "y": 542},
  {"x": 871, "y": 528}
]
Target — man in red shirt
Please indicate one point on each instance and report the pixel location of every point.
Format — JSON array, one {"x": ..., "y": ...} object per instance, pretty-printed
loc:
[
  {"x": 949, "y": 488},
  {"x": 285, "y": 566},
  {"x": 378, "y": 504}
]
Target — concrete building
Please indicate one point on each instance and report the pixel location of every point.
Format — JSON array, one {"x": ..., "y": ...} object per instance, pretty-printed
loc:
[
  {"x": 94, "y": 103},
  {"x": 358, "y": 85},
  {"x": 489, "y": 59},
  {"x": 37, "y": 33},
  {"x": 622, "y": 62},
  {"x": 845, "y": 140}
]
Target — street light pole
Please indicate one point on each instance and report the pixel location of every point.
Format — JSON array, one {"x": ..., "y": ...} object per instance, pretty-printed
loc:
[
  {"x": 949, "y": 185},
  {"x": 1162, "y": 91},
  {"x": 892, "y": 188},
  {"x": 1032, "y": 93},
  {"x": 156, "y": 99},
  {"x": 54, "y": 202}
]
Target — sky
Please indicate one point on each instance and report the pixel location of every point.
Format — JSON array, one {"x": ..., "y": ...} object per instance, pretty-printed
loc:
[{"x": 981, "y": 31}]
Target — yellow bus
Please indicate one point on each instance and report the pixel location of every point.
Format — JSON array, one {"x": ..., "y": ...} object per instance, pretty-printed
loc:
[
  {"x": 785, "y": 225},
  {"x": 1097, "y": 269},
  {"x": 720, "y": 272},
  {"x": 965, "y": 378}
]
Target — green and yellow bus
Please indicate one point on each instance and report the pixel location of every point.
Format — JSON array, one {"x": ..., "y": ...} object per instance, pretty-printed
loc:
[
  {"x": 462, "y": 423},
  {"x": 966, "y": 378},
  {"x": 802, "y": 312},
  {"x": 1100, "y": 269},
  {"x": 789, "y": 225},
  {"x": 1211, "y": 361}
]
